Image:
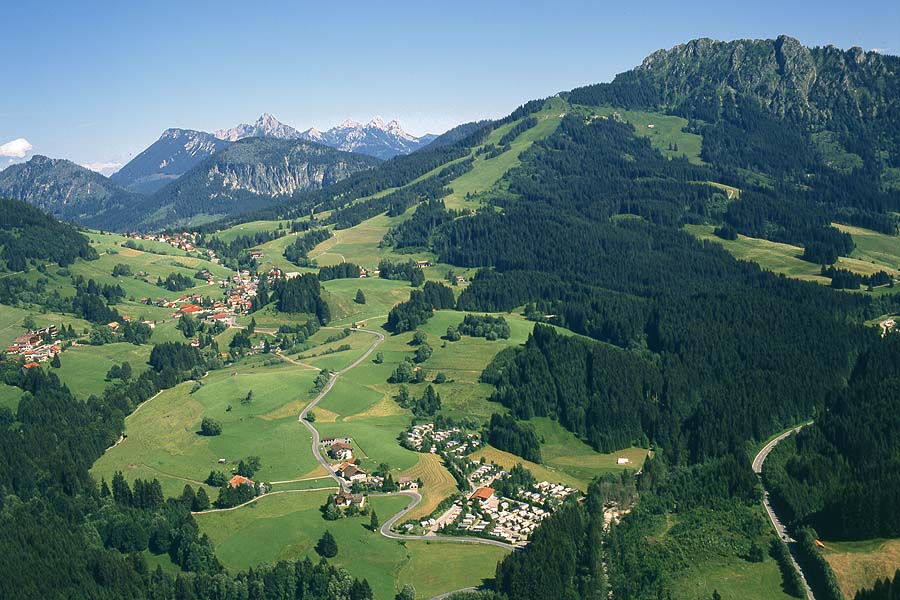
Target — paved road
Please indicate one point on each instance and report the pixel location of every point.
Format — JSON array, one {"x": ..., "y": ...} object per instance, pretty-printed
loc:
[
  {"x": 316, "y": 450},
  {"x": 416, "y": 498},
  {"x": 780, "y": 529}
]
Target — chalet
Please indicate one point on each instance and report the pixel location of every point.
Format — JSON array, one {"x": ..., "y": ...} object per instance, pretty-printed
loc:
[
  {"x": 340, "y": 451},
  {"x": 114, "y": 325},
  {"x": 351, "y": 472},
  {"x": 239, "y": 480},
  {"x": 406, "y": 483},
  {"x": 423, "y": 263},
  {"x": 622, "y": 461},
  {"x": 30, "y": 365},
  {"x": 256, "y": 254},
  {"x": 344, "y": 500},
  {"x": 190, "y": 309}
]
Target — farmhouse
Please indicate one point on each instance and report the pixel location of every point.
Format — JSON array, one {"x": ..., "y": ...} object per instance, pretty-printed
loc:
[
  {"x": 351, "y": 472},
  {"x": 238, "y": 480},
  {"x": 340, "y": 451},
  {"x": 407, "y": 483},
  {"x": 623, "y": 461},
  {"x": 343, "y": 500}
]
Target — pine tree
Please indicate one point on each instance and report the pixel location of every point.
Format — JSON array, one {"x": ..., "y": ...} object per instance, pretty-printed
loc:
[
  {"x": 55, "y": 362},
  {"x": 360, "y": 297},
  {"x": 373, "y": 521},
  {"x": 201, "y": 500},
  {"x": 327, "y": 545}
]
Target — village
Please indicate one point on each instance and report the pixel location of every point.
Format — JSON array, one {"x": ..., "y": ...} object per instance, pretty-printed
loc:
[
  {"x": 483, "y": 511},
  {"x": 36, "y": 346}
]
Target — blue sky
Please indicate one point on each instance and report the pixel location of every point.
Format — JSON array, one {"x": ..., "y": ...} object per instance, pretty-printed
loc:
[{"x": 96, "y": 82}]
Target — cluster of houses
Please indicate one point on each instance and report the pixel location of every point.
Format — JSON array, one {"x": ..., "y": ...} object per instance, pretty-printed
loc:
[
  {"x": 484, "y": 513},
  {"x": 36, "y": 346},
  {"x": 183, "y": 241},
  {"x": 484, "y": 475},
  {"x": 455, "y": 441},
  {"x": 240, "y": 291}
]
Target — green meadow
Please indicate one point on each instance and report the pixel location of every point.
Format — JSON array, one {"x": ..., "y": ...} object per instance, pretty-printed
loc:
[
  {"x": 381, "y": 295},
  {"x": 9, "y": 397},
  {"x": 487, "y": 173},
  {"x": 162, "y": 434},
  {"x": 359, "y": 244},
  {"x": 663, "y": 131},
  {"x": 733, "y": 578},
  {"x": 12, "y": 321},
  {"x": 84, "y": 368},
  {"x": 287, "y": 526},
  {"x": 871, "y": 246},
  {"x": 785, "y": 258},
  {"x": 249, "y": 228}
]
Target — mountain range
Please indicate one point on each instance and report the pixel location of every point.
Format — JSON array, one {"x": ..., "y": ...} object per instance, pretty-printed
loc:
[
  {"x": 179, "y": 150},
  {"x": 233, "y": 178},
  {"x": 375, "y": 138},
  {"x": 829, "y": 106}
]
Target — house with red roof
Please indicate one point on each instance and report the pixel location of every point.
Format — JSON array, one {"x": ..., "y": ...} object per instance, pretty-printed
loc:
[{"x": 238, "y": 480}]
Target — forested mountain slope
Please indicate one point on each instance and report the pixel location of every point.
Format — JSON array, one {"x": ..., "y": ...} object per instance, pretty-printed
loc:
[
  {"x": 67, "y": 190},
  {"x": 27, "y": 233}
]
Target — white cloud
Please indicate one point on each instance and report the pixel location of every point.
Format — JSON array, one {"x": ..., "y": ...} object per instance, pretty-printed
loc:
[
  {"x": 17, "y": 148},
  {"x": 104, "y": 168}
]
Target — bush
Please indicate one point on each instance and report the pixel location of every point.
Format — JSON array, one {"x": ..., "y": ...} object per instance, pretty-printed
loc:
[{"x": 210, "y": 427}]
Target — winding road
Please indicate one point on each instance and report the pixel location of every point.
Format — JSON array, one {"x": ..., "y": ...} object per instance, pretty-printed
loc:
[
  {"x": 316, "y": 450},
  {"x": 780, "y": 529},
  {"x": 415, "y": 497}
]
